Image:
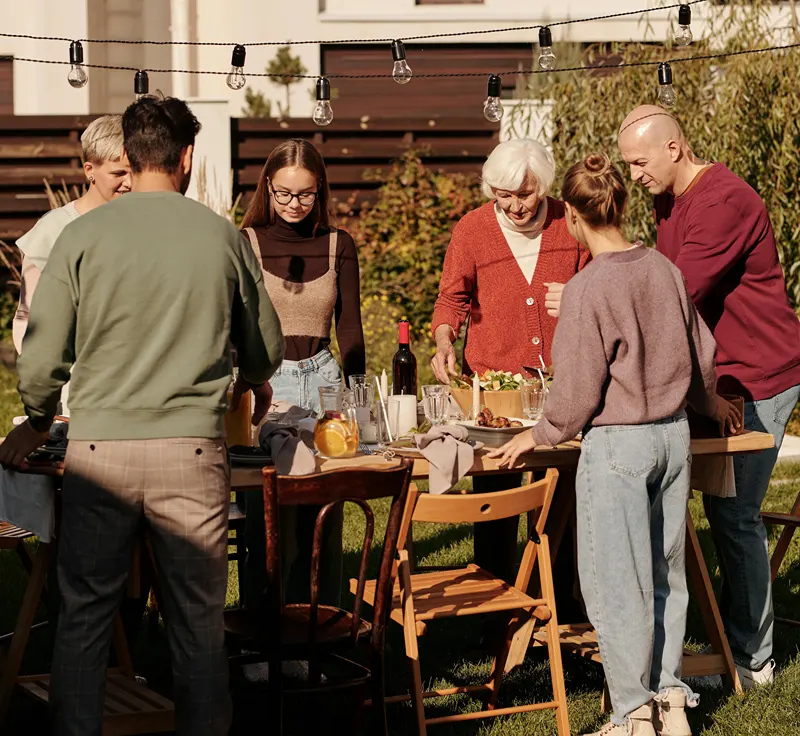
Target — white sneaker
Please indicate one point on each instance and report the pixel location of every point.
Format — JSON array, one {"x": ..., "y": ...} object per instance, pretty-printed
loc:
[
  {"x": 640, "y": 723},
  {"x": 754, "y": 678}
]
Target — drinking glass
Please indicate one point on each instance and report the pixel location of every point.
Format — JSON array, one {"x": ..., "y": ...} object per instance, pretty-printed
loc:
[
  {"x": 532, "y": 393},
  {"x": 436, "y": 400}
]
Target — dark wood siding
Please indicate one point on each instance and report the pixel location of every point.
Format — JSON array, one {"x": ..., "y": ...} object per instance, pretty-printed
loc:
[
  {"x": 446, "y": 97},
  {"x": 6, "y": 85}
]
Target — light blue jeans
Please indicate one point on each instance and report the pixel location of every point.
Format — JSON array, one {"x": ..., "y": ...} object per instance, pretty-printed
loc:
[
  {"x": 740, "y": 537},
  {"x": 632, "y": 489},
  {"x": 299, "y": 381}
]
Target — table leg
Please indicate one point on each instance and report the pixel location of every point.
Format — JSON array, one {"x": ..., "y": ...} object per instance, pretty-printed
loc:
[
  {"x": 704, "y": 595},
  {"x": 22, "y": 629}
]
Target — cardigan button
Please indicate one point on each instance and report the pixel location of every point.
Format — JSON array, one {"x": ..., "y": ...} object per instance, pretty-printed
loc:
[
  {"x": 529, "y": 301},
  {"x": 535, "y": 340}
]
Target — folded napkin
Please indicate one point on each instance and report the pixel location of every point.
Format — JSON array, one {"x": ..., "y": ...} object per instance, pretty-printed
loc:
[
  {"x": 289, "y": 447},
  {"x": 713, "y": 475},
  {"x": 26, "y": 501},
  {"x": 448, "y": 454}
]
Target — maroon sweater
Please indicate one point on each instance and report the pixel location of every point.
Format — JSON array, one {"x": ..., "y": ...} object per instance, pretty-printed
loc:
[{"x": 719, "y": 235}]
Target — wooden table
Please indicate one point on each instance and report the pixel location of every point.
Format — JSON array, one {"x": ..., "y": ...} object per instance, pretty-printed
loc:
[{"x": 581, "y": 638}]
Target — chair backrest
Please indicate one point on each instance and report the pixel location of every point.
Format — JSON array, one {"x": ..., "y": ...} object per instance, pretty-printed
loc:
[
  {"x": 329, "y": 490},
  {"x": 474, "y": 507}
]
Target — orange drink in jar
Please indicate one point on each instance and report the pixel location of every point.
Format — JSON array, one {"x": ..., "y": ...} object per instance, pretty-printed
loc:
[{"x": 336, "y": 431}]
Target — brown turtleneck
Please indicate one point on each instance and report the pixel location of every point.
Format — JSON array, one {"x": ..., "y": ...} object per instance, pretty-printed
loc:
[{"x": 293, "y": 252}]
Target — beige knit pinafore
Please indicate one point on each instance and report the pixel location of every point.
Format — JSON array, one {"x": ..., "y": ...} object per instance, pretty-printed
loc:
[{"x": 305, "y": 309}]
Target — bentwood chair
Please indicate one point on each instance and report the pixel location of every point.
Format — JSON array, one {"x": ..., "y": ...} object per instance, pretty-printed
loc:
[
  {"x": 316, "y": 633},
  {"x": 789, "y": 522}
]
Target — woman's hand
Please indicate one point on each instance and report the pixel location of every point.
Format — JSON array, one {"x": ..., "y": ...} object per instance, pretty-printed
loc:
[
  {"x": 552, "y": 300},
  {"x": 727, "y": 415},
  {"x": 511, "y": 450},
  {"x": 21, "y": 442},
  {"x": 262, "y": 394},
  {"x": 443, "y": 362}
]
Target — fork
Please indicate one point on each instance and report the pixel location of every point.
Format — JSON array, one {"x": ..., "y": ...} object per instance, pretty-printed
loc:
[{"x": 364, "y": 448}]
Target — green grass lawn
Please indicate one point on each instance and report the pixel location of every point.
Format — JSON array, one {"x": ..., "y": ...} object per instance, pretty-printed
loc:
[{"x": 452, "y": 652}]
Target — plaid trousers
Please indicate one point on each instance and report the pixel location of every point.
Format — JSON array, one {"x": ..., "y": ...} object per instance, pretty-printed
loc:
[{"x": 181, "y": 489}]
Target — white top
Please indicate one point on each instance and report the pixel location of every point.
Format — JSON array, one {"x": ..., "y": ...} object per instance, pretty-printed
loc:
[{"x": 524, "y": 241}]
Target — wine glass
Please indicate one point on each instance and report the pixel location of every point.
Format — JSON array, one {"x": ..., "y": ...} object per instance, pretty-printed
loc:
[
  {"x": 532, "y": 393},
  {"x": 436, "y": 400}
]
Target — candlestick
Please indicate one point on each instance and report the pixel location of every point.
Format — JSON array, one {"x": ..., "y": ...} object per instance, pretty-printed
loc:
[{"x": 476, "y": 396}]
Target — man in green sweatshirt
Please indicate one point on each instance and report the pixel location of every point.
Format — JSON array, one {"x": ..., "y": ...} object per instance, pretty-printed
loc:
[{"x": 141, "y": 298}]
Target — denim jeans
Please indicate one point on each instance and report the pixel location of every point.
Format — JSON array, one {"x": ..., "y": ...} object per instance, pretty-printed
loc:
[
  {"x": 632, "y": 489},
  {"x": 297, "y": 382},
  {"x": 740, "y": 537}
]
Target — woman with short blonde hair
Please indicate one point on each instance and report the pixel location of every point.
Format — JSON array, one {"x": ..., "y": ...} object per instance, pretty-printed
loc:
[{"x": 108, "y": 175}]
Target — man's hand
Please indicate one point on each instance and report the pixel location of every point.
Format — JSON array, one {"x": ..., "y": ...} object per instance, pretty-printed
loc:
[
  {"x": 21, "y": 442},
  {"x": 552, "y": 300},
  {"x": 727, "y": 415},
  {"x": 443, "y": 362},
  {"x": 262, "y": 394},
  {"x": 511, "y": 450}
]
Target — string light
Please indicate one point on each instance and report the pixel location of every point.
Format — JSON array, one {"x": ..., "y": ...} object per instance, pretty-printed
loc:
[
  {"x": 683, "y": 35},
  {"x": 77, "y": 76},
  {"x": 323, "y": 113},
  {"x": 547, "y": 59},
  {"x": 492, "y": 109},
  {"x": 141, "y": 84},
  {"x": 666, "y": 92},
  {"x": 236, "y": 79},
  {"x": 401, "y": 71}
]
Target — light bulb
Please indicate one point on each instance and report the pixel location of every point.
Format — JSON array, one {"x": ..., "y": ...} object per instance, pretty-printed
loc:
[
  {"x": 666, "y": 92},
  {"x": 323, "y": 112},
  {"x": 77, "y": 76},
  {"x": 492, "y": 109},
  {"x": 141, "y": 84},
  {"x": 236, "y": 79},
  {"x": 401, "y": 71},
  {"x": 547, "y": 59},
  {"x": 683, "y": 34}
]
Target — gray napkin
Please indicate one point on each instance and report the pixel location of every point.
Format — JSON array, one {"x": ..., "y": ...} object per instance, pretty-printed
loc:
[
  {"x": 448, "y": 454},
  {"x": 289, "y": 447}
]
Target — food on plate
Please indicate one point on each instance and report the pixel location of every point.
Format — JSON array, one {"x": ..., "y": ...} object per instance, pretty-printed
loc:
[
  {"x": 491, "y": 381},
  {"x": 487, "y": 419}
]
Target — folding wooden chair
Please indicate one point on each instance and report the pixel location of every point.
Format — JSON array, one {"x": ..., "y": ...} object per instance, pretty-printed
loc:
[
  {"x": 424, "y": 596},
  {"x": 789, "y": 522}
]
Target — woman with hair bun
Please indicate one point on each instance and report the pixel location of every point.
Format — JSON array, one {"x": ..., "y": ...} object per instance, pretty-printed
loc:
[{"x": 629, "y": 352}]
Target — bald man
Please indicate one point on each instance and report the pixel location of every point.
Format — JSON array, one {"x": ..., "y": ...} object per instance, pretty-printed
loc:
[{"x": 715, "y": 228}]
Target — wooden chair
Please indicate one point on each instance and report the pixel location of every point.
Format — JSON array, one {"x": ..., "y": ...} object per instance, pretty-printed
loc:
[
  {"x": 314, "y": 632},
  {"x": 425, "y": 596},
  {"x": 789, "y": 522}
]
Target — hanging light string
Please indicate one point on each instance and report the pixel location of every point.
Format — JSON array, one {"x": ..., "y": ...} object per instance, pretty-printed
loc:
[
  {"x": 440, "y": 75},
  {"x": 425, "y": 37}
]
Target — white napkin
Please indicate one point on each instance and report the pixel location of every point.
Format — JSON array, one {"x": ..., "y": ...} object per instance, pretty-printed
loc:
[
  {"x": 26, "y": 501},
  {"x": 449, "y": 456}
]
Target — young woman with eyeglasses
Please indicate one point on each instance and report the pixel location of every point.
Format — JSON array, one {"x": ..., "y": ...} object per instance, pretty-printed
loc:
[{"x": 310, "y": 270}]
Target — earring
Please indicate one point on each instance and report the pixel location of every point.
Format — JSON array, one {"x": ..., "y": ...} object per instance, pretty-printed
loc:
[{"x": 91, "y": 179}]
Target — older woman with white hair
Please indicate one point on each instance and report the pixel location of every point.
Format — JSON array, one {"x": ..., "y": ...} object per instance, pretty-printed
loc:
[{"x": 504, "y": 270}]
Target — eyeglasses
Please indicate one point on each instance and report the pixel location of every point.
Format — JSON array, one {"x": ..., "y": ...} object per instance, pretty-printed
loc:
[{"x": 284, "y": 197}]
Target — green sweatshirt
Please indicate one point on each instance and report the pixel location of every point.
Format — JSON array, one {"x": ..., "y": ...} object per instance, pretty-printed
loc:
[{"x": 142, "y": 298}]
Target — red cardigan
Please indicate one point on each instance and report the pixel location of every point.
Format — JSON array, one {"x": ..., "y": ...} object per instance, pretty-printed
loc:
[{"x": 508, "y": 323}]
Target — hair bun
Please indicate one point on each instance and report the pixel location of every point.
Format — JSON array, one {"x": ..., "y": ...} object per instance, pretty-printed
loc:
[{"x": 597, "y": 164}]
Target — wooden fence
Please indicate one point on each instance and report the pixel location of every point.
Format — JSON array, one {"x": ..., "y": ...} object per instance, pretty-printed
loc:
[
  {"x": 353, "y": 147},
  {"x": 37, "y": 149}
]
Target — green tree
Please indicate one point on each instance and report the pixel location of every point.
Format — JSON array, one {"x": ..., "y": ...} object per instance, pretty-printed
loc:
[
  {"x": 282, "y": 70},
  {"x": 256, "y": 104}
]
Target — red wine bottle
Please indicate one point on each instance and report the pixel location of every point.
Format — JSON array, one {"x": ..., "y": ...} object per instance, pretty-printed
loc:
[{"x": 404, "y": 364}]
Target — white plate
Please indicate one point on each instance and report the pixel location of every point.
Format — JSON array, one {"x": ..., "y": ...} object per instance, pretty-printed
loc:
[
  {"x": 415, "y": 452},
  {"x": 496, "y": 436}
]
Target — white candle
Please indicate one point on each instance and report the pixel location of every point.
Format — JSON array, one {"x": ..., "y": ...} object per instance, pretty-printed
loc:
[
  {"x": 406, "y": 408},
  {"x": 384, "y": 385},
  {"x": 476, "y": 396}
]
